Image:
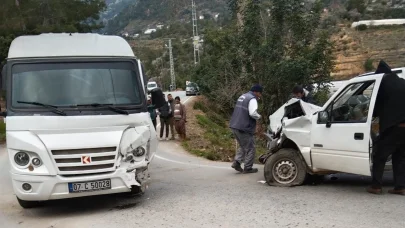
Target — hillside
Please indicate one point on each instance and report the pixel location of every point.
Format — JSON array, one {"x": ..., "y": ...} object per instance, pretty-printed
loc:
[
  {"x": 114, "y": 7},
  {"x": 358, "y": 51},
  {"x": 355, "y": 48},
  {"x": 139, "y": 15}
]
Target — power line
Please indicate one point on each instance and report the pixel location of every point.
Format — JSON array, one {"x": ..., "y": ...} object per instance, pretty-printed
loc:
[
  {"x": 172, "y": 75},
  {"x": 196, "y": 38}
]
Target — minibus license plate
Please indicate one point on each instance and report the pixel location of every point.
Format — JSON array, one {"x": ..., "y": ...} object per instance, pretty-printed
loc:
[{"x": 89, "y": 186}]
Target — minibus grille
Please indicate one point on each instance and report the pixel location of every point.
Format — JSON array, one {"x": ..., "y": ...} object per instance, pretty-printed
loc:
[{"x": 85, "y": 161}]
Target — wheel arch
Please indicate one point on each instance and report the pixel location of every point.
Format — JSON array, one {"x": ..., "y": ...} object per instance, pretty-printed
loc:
[{"x": 290, "y": 144}]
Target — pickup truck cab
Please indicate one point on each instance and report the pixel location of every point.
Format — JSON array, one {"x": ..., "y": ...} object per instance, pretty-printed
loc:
[
  {"x": 308, "y": 140},
  {"x": 76, "y": 122}
]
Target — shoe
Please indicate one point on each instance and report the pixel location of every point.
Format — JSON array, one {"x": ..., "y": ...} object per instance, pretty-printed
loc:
[
  {"x": 372, "y": 190},
  {"x": 236, "y": 166},
  {"x": 251, "y": 170},
  {"x": 397, "y": 191},
  {"x": 167, "y": 139}
]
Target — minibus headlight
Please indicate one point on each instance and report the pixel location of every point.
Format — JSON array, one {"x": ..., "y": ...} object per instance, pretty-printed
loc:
[{"x": 22, "y": 158}]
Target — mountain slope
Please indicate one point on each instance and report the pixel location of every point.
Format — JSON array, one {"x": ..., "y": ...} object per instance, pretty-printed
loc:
[
  {"x": 114, "y": 7},
  {"x": 140, "y": 13}
]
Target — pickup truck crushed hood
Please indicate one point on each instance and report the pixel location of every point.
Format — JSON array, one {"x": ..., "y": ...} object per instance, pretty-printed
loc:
[{"x": 295, "y": 118}]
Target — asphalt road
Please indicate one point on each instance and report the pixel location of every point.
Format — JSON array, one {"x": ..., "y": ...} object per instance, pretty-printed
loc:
[{"x": 186, "y": 191}]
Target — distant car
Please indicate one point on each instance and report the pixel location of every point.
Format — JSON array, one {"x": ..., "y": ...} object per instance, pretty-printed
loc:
[
  {"x": 152, "y": 85},
  {"x": 192, "y": 89}
]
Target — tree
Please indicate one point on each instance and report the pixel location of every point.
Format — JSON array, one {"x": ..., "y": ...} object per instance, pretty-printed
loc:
[
  {"x": 41, "y": 16},
  {"x": 279, "y": 49},
  {"x": 359, "y": 5}
]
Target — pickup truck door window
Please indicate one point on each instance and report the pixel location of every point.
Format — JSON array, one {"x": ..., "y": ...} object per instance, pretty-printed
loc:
[{"x": 343, "y": 144}]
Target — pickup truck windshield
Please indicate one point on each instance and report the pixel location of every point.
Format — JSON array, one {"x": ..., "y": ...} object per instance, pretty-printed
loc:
[{"x": 70, "y": 84}]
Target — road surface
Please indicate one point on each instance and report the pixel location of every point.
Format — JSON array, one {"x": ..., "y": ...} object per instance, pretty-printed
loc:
[{"x": 186, "y": 191}]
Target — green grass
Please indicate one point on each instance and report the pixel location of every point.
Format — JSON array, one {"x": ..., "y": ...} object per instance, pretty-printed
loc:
[
  {"x": 219, "y": 142},
  {"x": 217, "y": 133},
  {"x": 208, "y": 154},
  {"x": 199, "y": 105}
]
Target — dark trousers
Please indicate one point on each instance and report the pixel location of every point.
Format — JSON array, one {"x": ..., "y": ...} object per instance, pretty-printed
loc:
[
  {"x": 154, "y": 123},
  {"x": 391, "y": 142},
  {"x": 164, "y": 123}
]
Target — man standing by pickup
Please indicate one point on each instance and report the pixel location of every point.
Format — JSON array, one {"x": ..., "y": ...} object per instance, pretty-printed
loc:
[
  {"x": 390, "y": 109},
  {"x": 243, "y": 125},
  {"x": 300, "y": 93}
]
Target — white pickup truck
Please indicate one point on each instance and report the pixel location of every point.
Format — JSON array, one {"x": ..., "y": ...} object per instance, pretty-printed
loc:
[
  {"x": 308, "y": 140},
  {"x": 76, "y": 122}
]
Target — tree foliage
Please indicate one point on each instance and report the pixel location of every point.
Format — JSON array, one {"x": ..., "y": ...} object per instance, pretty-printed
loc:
[
  {"x": 278, "y": 49},
  {"x": 359, "y": 5},
  {"x": 20, "y": 17}
]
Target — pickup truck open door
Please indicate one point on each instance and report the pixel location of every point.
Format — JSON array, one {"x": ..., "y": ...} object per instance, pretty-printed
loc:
[{"x": 340, "y": 134}]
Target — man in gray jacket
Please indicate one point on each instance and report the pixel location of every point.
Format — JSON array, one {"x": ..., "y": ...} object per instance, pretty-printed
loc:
[{"x": 243, "y": 125}]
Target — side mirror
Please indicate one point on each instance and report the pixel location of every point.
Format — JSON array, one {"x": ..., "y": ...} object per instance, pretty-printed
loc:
[
  {"x": 323, "y": 118},
  {"x": 158, "y": 97}
]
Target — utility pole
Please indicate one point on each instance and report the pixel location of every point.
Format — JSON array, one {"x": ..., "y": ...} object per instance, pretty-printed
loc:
[
  {"x": 172, "y": 75},
  {"x": 196, "y": 38}
]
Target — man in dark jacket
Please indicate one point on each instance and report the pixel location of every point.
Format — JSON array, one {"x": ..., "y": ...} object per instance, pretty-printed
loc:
[
  {"x": 152, "y": 112},
  {"x": 300, "y": 93},
  {"x": 243, "y": 125},
  {"x": 164, "y": 112},
  {"x": 390, "y": 109},
  {"x": 172, "y": 103}
]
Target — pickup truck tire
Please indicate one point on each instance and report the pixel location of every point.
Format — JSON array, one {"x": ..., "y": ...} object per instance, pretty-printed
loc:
[
  {"x": 29, "y": 204},
  {"x": 285, "y": 168}
]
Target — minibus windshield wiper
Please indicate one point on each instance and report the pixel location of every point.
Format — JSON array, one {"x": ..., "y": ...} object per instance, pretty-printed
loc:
[
  {"x": 109, "y": 106},
  {"x": 53, "y": 108}
]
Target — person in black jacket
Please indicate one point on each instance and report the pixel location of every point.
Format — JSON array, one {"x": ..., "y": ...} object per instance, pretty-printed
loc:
[
  {"x": 165, "y": 113},
  {"x": 390, "y": 109},
  {"x": 300, "y": 93}
]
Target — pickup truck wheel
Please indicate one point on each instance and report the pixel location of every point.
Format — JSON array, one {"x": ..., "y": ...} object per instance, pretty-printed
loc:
[
  {"x": 29, "y": 204},
  {"x": 285, "y": 169}
]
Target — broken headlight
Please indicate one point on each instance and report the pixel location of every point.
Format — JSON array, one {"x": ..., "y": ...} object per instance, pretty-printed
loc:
[{"x": 135, "y": 154}]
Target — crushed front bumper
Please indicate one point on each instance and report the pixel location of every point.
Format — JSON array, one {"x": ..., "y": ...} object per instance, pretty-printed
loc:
[{"x": 56, "y": 187}]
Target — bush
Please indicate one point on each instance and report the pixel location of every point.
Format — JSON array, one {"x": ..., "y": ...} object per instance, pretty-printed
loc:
[
  {"x": 329, "y": 21},
  {"x": 2, "y": 131},
  {"x": 362, "y": 27},
  {"x": 368, "y": 65},
  {"x": 395, "y": 13},
  {"x": 216, "y": 118},
  {"x": 199, "y": 105},
  {"x": 321, "y": 96}
]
